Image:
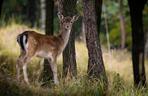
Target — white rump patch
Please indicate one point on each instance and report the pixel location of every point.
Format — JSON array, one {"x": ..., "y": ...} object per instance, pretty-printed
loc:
[{"x": 24, "y": 42}]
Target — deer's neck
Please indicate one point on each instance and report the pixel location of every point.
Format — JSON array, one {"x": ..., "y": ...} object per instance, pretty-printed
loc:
[{"x": 64, "y": 34}]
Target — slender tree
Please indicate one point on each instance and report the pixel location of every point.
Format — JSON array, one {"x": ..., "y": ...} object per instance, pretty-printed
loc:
[
  {"x": 136, "y": 9},
  {"x": 68, "y": 8},
  {"x": 122, "y": 24},
  {"x": 42, "y": 14},
  {"x": 92, "y": 17},
  {"x": 47, "y": 74}
]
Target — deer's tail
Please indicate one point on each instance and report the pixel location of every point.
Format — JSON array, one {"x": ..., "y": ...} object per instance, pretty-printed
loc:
[{"x": 22, "y": 40}]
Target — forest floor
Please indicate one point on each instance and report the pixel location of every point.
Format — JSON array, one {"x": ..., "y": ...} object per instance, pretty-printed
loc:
[{"x": 118, "y": 66}]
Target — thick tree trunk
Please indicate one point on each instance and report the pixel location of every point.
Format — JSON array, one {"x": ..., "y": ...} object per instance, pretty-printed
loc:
[
  {"x": 69, "y": 56},
  {"x": 122, "y": 24},
  {"x": 92, "y": 17},
  {"x": 136, "y": 9},
  {"x": 47, "y": 74}
]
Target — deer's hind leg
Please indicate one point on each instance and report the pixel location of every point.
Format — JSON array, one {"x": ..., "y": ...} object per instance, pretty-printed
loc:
[
  {"x": 22, "y": 64},
  {"x": 19, "y": 64}
]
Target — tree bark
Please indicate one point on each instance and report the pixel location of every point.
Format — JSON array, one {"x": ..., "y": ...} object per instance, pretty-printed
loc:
[
  {"x": 69, "y": 56},
  {"x": 92, "y": 18},
  {"x": 136, "y": 9},
  {"x": 47, "y": 74}
]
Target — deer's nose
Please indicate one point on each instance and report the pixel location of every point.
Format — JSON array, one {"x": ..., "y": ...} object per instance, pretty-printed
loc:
[{"x": 67, "y": 27}]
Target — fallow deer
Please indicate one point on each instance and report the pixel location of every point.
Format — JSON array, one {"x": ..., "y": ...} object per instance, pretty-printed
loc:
[{"x": 48, "y": 47}]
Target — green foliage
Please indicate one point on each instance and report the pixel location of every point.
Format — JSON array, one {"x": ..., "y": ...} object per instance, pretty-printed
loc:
[
  {"x": 14, "y": 8},
  {"x": 145, "y": 18},
  {"x": 4, "y": 22},
  {"x": 115, "y": 35},
  {"x": 79, "y": 7},
  {"x": 111, "y": 10},
  {"x": 56, "y": 24}
]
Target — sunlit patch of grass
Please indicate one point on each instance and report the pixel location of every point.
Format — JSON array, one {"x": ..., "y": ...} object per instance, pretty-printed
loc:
[
  {"x": 81, "y": 57},
  {"x": 9, "y": 35},
  {"x": 120, "y": 62}
]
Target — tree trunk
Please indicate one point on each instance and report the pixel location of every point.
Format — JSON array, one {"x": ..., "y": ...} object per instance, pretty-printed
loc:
[
  {"x": 1, "y": 3},
  {"x": 92, "y": 18},
  {"x": 47, "y": 74},
  {"x": 69, "y": 57},
  {"x": 31, "y": 12},
  {"x": 42, "y": 16},
  {"x": 49, "y": 16},
  {"x": 136, "y": 9},
  {"x": 122, "y": 24}
]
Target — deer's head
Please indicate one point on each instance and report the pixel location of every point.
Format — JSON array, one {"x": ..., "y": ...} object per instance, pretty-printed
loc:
[{"x": 67, "y": 22}]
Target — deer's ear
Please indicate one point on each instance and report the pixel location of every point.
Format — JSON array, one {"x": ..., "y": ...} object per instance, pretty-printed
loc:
[
  {"x": 60, "y": 16},
  {"x": 75, "y": 18}
]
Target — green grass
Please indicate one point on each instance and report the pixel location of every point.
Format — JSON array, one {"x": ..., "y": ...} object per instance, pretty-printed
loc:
[{"x": 117, "y": 63}]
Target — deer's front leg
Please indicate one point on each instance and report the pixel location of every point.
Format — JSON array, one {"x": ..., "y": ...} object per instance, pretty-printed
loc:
[{"x": 54, "y": 70}]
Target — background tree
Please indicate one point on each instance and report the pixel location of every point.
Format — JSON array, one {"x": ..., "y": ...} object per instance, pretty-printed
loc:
[
  {"x": 47, "y": 74},
  {"x": 68, "y": 8},
  {"x": 122, "y": 24},
  {"x": 31, "y": 11},
  {"x": 1, "y": 3},
  {"x": 92, "y": 17},
  {"x": 116, "y": 13},
  {"x": 136, "y": 13}
]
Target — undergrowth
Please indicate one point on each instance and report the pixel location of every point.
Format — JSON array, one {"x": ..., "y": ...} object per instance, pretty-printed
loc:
[{"x": 117, "y": 64}]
